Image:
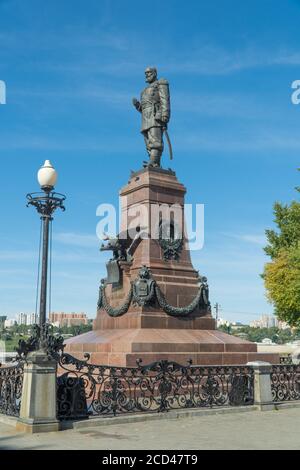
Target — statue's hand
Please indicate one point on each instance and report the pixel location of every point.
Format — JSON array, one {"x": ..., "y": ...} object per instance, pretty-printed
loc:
[
  {"x": 136, "y": 104},
  {"x": 165, "y": 119}
]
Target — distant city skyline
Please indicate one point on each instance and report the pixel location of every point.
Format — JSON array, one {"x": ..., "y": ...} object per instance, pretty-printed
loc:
[
  {"x": 264, "y": 321},
  {"x": 29, "y": 318},
  {"x": 60, "y": 319}
]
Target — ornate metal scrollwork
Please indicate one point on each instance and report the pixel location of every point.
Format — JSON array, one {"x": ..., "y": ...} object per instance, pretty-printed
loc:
[
  {"x": 11, "y": 383},
  {"x": 286, "y": 360},
  {"x": 43, "y": 339},
  {"x": 158, "y": 387},
  {"x": 47, "y": 203},
  {"x": 285, "y": 382}
]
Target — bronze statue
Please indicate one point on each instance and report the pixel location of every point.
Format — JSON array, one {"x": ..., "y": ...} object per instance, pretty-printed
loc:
[
  {"x": 117, "y": 246},
  {"x": 155, "y": 109}
]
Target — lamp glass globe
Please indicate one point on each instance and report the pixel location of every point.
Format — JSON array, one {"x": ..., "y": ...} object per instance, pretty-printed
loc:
[{"x": 47, "y": 175}]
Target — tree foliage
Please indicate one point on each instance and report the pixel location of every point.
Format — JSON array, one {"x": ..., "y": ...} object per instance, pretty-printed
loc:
[
  {"x": 282, "y": 281},
  {"x": 256, "y": 335},
  {"x": 287, "y": 219},
  {"x": 282, "y": 274}
]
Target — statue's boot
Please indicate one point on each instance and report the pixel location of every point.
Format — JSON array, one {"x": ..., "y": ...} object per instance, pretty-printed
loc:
[
  {"x": 155, "y": 156},
  {"x": 151, "y": 165}
]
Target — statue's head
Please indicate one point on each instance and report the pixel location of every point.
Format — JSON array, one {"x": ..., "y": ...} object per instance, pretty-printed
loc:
[
  {"x": 151, "y": 74},
  {"x": 144, "y": 272}
]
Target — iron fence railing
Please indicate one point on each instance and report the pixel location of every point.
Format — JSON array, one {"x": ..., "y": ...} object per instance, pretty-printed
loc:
[
  {"x": 11, "y": 382},
  {"x": 85, "y": 389},
  {"x": 285, "y": 382},
  {"x": 287, "y": 359}
]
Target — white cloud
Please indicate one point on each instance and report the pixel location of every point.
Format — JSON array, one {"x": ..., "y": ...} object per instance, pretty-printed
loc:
[
  {"x": 256, "y": 239},
  {"x": 99, "y": 93},
  {"x": 17, "y": 255},
  {"x": 77, "y": 239},
  {"x": 251, "y": 140},
  {"x": 219, "y": 104},
  {"x": 67, "y": 143}
]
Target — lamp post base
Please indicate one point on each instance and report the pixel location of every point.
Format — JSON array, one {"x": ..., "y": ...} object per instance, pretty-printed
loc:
[
  {"x": 38, "y": 407},
  {"x": 32, "y": 426}
]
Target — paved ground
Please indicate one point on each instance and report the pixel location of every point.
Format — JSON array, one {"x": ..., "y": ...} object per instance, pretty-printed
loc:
[{"x": 251, "y": 430}]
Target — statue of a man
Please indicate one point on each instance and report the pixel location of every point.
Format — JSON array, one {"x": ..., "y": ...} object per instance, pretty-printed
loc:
[{"x": 155, "y": 109}]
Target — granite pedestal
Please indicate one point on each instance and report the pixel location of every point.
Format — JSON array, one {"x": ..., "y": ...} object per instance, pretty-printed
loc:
[{"x": 147, "y": 332}]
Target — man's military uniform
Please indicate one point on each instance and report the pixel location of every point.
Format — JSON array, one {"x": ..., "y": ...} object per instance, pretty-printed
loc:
[{"x": 155, "y": 106}]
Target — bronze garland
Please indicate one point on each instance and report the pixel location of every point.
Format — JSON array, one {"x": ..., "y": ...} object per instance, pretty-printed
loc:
[
  {"x": 152, "y": 293},
  {"x": 117, "y": 311},
  {"x": 177, "y": 311}
]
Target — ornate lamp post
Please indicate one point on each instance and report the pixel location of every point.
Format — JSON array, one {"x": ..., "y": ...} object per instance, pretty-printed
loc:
[
  {"x": 41, "y": 350},
  {"x": 45, "y": 203}
]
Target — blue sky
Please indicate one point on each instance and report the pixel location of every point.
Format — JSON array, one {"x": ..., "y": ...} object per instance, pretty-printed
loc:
[{"x": 71, "y": 69}]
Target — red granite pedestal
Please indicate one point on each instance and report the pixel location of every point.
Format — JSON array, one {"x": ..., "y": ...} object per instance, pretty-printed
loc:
[{"x": 148, "y": 333}]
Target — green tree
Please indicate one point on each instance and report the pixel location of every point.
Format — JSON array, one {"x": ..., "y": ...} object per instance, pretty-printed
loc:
[
  {"x": 287, "y": 218},
  {"x": 225, "y": 328},
  {"x": 282, "y": 274},
  {"x": 256, "y": 335},
  {"x": 282, "y": 281}
]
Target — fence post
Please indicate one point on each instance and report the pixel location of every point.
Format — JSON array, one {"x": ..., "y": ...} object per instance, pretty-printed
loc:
[
  {"x": 38, "y": 405},
  {"x": 262, "y": 385}
]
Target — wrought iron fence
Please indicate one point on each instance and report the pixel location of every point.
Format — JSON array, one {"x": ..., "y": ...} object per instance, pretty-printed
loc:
[
  {"x": 285, "y": 382},
  {"x": 85, "y": 389},
  {"x": 11, "y": 382},
  {"x": 286, "y": 359}
]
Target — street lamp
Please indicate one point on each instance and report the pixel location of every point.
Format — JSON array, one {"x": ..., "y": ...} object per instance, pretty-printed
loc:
[{"x": 46, "y": 203}]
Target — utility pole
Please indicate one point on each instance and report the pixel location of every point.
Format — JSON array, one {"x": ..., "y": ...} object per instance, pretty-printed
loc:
[{"x": 217, "y": 308}]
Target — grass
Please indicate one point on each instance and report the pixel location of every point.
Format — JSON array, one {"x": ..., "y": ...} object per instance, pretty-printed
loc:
[{"x": 11, "y": 344}]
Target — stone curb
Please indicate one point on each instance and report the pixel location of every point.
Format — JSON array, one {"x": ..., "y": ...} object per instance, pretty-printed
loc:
[
  {"x": 139, "y": 418},
  {"x": 10, "y": 420},
  {"x": 287, "y": 405}
]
